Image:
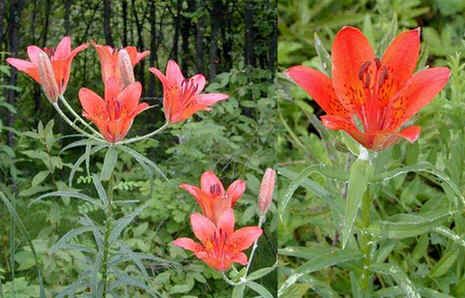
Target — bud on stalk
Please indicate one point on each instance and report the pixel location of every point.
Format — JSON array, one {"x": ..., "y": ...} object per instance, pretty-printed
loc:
[
  {"x": 266, "y": 190},
  {"x": 125, "y": 67},
  {"x": 47, "y": 77}
]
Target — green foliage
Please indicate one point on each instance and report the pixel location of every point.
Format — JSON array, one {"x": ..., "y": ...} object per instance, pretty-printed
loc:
[{"x": 406, "y": 240}]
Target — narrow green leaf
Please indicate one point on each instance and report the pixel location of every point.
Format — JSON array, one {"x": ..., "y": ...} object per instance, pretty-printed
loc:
[
  {"x": 238, "y": 291},
  {"x": 259, "y": 289},
  {"x": 261, "y": 272},
  {"x": 109, "y": 163},
  {"x": 39, "y": 177},
  {"x": 71, "y": 194},
  {"x": 100, "y": 190},
  {"x": 319, "y": 262},
  {"x": 399, "y": 276},
  {"x": 360, "y": 174}
]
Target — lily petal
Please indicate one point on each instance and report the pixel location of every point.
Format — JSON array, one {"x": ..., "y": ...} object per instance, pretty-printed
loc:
[
  {"x": 93, "y": 104},
  {"x": 173, "y": 72},
  {"x": 25, "y": 66},
  {"x": 244, "y": 237},
  {"x": 63, "y": 48},
  {"x": 226, "y": 221},
  {"x": 350, "y": 50},
  {"x": 318, "y": 86},
  {"x": 130, "y": 96},
  {"x": 209, "y": 183},
  {"x": 208, "y": 99},
  {"x": 202, "y": 227},
  {"x": 236, "y": 190},
  {"x": 400, "y": 59},
  {"x": 200, "y": 81},
  {"x": 417, "y": 92},
  {"x": 188, "y": 244},
  {"x": 240, "y": 258},
  {"x": 411, "y": 133}
]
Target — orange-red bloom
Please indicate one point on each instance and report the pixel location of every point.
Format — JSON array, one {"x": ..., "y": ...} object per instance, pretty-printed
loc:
[
  {"x": 119, "y": 64},
  {"x": 211, "y": 196},
  {"x": 371, "y": 98},
  {"x": 182, "y": 97},
  {"x": 220, "y": 246},
  {"x": 60, "y": 60},
  {"x": 113, "y": 115}
]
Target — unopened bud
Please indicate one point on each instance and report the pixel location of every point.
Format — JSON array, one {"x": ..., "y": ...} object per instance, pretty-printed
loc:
[
  {"x": 266, "y": 190},
  {"x": 47, "y": 77},
  {"x": 125, "y": 67}
]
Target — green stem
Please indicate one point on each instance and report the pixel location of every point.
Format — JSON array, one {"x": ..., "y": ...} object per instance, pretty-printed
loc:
[
  {"x": 261, "y": 220},
  {"x": 365, "y": 242},
  {"x": 136, "y": 139},
  {"x": 73, "y": 125},
  {"x": 76, "y": 115},
  {"x": 106, "y": 246}
]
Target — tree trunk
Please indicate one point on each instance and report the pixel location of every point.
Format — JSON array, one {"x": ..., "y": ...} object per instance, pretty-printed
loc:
[
  {"x": 199, "y": 45},
  {"x": 124, "y": 13},
  {"x": 107, "y": 22},
  {"x": 215, "y": 18},
  {"x": 140, "y": 41},
  {"x": 16, "y": 6},
  {"x": 2, "y": 18},
  {"x": 153, "y": 47},
  {"x": 249, "y": 55},
  {"x": 67, "y": 13}
]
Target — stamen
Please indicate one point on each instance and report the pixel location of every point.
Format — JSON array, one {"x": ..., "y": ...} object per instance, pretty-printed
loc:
[
  {"x": 378, "y": 63},
  {"x": 215, "y": 189},
  {"x": 363, "y": 70},
  {"x": 383, "y": 76}
]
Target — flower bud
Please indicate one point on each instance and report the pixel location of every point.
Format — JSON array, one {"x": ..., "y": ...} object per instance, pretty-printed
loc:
[
  {"x": 47, "y": 77},
  {"x": 266, "y": 190},
  {"x": 125, "y": 67}
]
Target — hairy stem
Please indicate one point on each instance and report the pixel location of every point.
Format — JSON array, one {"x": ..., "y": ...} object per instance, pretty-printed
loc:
[
  {"x": 106, "y": 245},
  {"x": 76, "y": 115},
  {"x": 365, "y": 242},
  {"x": 73, "y": 125},
  {"x": 151, "y": 134}
]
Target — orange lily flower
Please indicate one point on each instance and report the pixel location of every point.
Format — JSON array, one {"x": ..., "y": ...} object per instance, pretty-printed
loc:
[
  {"x": 53, "y": 79},
  {"x": 211, "y": 196},
  {"x": 220, "y": 246},
  {"x": 182, "y": 97},
  {"x": 119, "y": 63},
  {"x": 114, "y": 115},
  {"x": 370, "y": 98}
]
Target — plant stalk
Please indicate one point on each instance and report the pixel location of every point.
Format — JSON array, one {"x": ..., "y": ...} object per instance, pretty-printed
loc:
[
  {"x": 76, "y": 115},
  {"x": 106, "y": 246},
  {"x": 151, "y": 134},
  {"x": 73, "y": 125}
]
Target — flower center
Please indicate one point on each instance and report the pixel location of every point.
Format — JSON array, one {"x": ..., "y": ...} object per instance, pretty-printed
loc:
[{"x": 379, "y": 74}]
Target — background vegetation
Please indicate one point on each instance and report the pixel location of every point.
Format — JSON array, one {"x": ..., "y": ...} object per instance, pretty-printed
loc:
[
  {"x": 233, "y": 44},
  {"x": 417, "y": 225}
]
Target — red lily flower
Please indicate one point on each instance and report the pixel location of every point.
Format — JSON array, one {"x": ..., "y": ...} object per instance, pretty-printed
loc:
[
  {"x": 370, "y": 98},
  {"x": 211, "y": 196},
  {"x": 182, "y": 97},
  {"x": 114, "y": 115},
  {"x": 60, "y": 60},
  {"x": 220, "y": 246},
  {"x": 119, "y": 64}
]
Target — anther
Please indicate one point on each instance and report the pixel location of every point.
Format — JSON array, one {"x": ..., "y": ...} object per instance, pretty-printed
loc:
[
  {"x": 215, "y": 189},
  {"x": 378, "y": 63},
  {"x": 383, "y": 76},
  {"x": 363, "y": 70}
]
